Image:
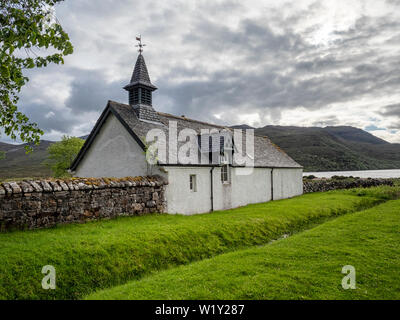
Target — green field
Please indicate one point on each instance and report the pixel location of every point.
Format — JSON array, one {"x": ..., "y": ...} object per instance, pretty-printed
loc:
[
  {"x": 104, "y": 254},
  {"x": 305, "y": 266}
]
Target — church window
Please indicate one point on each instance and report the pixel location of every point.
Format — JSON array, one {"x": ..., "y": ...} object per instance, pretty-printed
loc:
[
  {"x": 225, "y": 173},
  {"x": 193, "y": 183}
]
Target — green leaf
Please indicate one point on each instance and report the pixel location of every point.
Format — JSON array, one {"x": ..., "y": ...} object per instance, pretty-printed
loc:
[{"x": 5, "y": 72}]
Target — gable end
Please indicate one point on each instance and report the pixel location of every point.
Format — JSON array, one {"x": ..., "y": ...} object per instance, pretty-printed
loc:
[{"x": 99, "y": 124}]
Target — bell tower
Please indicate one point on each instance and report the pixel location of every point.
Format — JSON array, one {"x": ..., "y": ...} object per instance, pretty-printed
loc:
[{"x": 140, "y": 89}]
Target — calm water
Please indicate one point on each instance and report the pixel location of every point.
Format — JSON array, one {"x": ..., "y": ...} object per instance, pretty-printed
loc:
[{"x": 395, "y": 173}]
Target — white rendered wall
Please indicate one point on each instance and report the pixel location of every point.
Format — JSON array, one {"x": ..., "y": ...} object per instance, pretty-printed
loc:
[
  {"x": 287, "y": 183},
  {"x": 247, "y": 185},
  {"x": 113, "y": 153},
  {"x": 250, "y": 188},
  {"x": 180, "y": 199}
]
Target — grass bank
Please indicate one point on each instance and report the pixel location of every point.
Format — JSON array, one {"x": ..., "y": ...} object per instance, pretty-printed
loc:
[
  {"x": 107, "y": 253},
  {"x": 305, "y": 266}
]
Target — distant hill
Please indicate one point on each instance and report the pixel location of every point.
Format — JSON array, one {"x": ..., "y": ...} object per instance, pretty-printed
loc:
[
  {"x": 18, "y": 164},
  {"x": 317, "y": 149},
  {"x": 334, "y": 148},
  {"x": 242, "y": 126}
]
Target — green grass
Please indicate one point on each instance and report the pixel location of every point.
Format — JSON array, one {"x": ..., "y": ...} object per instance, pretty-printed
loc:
[
  {"x": 305, "y": 266},
  {"x": 103, "y": 254}
]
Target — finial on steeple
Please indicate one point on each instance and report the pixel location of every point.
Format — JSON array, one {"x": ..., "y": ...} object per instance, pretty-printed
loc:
[{"x": 140, "y": 45}]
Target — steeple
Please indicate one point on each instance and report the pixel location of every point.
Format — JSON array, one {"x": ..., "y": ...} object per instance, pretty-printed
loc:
[{"x": 140, "y": 89}]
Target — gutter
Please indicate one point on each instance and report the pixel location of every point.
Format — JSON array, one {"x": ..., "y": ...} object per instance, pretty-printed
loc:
[{"x": 217, "y": 165}]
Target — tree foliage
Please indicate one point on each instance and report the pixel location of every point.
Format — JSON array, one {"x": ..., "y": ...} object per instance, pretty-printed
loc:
[
  {"x": 27, "y": 29},
  {"x": 61, "y": 155}
]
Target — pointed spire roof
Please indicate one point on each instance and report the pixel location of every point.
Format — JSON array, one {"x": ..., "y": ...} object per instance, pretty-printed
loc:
[{"x": 140, "y": 75}]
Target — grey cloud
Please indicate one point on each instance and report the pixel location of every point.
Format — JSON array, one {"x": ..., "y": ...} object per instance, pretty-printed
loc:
[
  {"x": 328, "y": 121},
  {"x": 90, "y": 91},
  {"x": 366, "y": 73},
  {"x": 48, "y": 118},
  {"x": 392, "y": 110},
  {"x": 394, "y": 126},
  {"x": 253, "y": 39}
]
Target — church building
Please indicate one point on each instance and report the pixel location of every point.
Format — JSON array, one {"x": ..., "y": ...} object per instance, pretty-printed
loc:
[{"x": 226, "y": 171}]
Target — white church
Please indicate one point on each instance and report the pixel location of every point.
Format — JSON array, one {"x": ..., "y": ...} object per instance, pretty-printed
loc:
[{"x": 212, "y": 178}]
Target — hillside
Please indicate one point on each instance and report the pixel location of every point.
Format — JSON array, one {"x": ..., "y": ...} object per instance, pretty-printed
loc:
[
  {"x": 18, "y": 164},
  {"x": 334, "y": 148},
  {"x": 317, "y": 149}
]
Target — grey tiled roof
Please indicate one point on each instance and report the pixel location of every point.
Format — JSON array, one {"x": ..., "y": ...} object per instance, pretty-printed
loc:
[{"x": 266, "y": 154}]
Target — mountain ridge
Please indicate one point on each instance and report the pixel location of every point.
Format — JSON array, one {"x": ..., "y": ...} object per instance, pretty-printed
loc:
[{"x": 334, "y": 148}]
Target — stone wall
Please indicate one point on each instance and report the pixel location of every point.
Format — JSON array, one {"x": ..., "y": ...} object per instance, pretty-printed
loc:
[
  {"x": 45, "y": 203},
  {"x": 322, "y": 185}
]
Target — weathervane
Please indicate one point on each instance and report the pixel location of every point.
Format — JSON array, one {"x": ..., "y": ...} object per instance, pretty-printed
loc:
[{"x": 140, "y": 45}]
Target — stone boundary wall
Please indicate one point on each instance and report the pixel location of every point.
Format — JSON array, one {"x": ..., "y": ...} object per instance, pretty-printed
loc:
[
  {"x": 46, "y": 203},
  {"x": 321, "y": 185}
]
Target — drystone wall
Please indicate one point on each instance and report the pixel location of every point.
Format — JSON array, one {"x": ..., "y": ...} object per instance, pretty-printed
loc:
[
  {"x": 46, "y": 203},
  {"x": 322, "y": 185}
]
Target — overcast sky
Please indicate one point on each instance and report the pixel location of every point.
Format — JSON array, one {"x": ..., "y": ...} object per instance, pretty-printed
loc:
[{"x": 303, "y": 63}]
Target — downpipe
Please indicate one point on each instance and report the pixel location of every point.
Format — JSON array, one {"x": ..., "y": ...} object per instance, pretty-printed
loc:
[{"x": 212, "y": 188}]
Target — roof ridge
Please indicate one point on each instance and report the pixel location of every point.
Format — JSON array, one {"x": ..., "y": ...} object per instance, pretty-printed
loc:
[
  {"x": 192, "y": 120},
  {"x": 208, "y": 123}
]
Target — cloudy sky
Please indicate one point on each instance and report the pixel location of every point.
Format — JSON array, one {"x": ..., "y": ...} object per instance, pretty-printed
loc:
[{"x": 303, "y": 63}]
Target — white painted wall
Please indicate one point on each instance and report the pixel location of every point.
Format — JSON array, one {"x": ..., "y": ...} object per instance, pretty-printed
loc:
[
  {"x": 250, "y": 188},
  {"x": 287, "y": 183},
  {"x": 113, "y": 153},
  {"x": 247, "y": 186},
  {"x": 180, "y": 199}
]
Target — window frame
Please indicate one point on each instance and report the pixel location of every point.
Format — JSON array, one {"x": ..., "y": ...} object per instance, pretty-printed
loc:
[
  {"x": 225, "y": 174},
  {"x": 193, "y": 183}
]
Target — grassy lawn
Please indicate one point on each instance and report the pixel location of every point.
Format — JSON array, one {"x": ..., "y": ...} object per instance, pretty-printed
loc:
[
  {"x": 97, "y": 255},
  {"x": 305, "y": 266}
]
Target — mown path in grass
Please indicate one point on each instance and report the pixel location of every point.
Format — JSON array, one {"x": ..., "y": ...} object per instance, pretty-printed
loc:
[
  {"x": 307, "y": 265},
  {"x": 103, "y": 254}
]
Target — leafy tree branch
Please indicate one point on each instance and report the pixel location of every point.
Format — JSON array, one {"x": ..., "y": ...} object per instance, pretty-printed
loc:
[{"x": 26, "y": 25}]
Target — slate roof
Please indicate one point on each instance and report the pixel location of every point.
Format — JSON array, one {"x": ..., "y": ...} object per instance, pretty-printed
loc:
[
  {"x": 266, "y": 154},
  {"x": 140, "y": 74}
]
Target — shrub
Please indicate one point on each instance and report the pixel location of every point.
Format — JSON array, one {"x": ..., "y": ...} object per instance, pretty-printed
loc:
[{"x": 61, "y": 155}]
